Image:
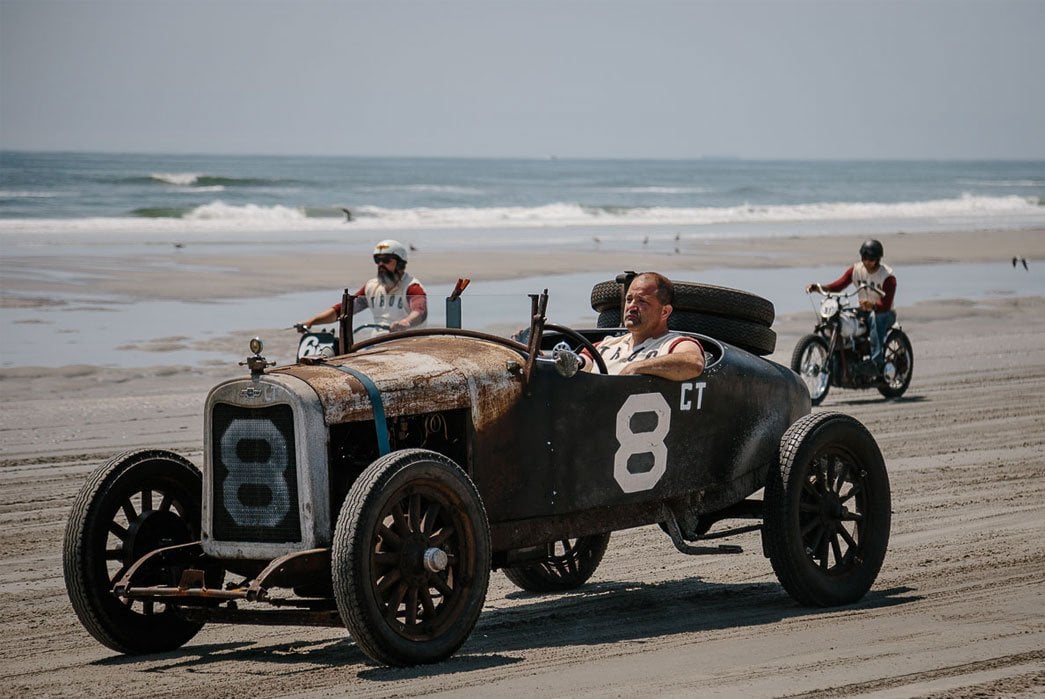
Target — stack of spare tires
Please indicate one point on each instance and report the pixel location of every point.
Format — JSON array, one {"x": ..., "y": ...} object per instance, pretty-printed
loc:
[{"x": 736, "y": 317}]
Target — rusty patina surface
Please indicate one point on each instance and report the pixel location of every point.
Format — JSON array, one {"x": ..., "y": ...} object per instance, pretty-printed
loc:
[{"x": 418, "y": 375}]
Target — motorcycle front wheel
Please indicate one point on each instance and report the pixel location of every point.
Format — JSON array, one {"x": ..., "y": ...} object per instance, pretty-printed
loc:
[
  {"x": 810, "y": 361},
  {"x": 899, "y": 364}
]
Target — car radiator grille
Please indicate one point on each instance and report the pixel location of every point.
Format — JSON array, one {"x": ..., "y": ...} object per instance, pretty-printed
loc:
[{"x": 255, "y": 493}]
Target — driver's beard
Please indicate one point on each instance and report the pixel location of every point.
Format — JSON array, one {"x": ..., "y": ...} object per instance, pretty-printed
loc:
[{"x": 388, "y": 279}]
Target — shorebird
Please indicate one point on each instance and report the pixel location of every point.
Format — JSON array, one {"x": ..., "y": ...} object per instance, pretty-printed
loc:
[
  {"x": 179, "y": 245},
  {"x": 348, "y": 213},
  {"x": 645, "y": 241},
  {"x": 1022, "y": 260},
  {"x": 412, "y": 248}
]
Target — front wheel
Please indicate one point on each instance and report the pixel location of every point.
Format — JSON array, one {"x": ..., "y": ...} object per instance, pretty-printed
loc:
[
  {"x": 827, "y": 511},
  {"x": 411, "y": 558},
  {"x": 899, "y": 364},
  {"x": 810, "y": 361},
  {"x": 568, "y": 565},
  {"x": 138, "y": 502}
]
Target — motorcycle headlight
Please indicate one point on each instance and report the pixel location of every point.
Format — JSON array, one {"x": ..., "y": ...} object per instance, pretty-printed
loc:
[{"x": 828, "y": 307}]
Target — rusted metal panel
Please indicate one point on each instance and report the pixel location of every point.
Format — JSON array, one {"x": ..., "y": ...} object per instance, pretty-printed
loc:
[{"x": 419, "y": 375}]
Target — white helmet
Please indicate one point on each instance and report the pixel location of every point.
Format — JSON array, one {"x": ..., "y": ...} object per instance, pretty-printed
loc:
[{"x": 391, "y": 247}]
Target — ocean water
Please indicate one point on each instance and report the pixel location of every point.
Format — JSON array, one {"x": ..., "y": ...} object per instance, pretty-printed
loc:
[{"x": 44, "y": 196}]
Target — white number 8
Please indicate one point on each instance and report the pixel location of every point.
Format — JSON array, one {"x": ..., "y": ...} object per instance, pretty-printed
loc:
[
  {"x": 268, "y": 474},
  {"x": 632, "y": 443}
]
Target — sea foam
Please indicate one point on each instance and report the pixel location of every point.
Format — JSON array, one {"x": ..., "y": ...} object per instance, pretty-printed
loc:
[
  {"x": 967, "y": 212},
  {"x": 182, "y": 179},
  {"x": 220, "y": 211}
]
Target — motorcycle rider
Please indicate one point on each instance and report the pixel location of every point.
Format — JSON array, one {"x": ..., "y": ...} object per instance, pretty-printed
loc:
[
  {"x": 879, "y": 306},
  {"x": 396, "y": 298}
]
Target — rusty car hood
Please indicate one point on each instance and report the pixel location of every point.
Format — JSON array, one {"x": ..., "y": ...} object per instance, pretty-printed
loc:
[{"x": 417, "y": 375}]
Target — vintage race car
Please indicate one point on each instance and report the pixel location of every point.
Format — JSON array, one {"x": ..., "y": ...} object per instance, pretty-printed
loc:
[{"x": 378, "y": 489}]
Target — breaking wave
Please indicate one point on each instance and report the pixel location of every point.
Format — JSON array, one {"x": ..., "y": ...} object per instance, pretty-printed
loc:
[
  {"x": 960, "y": 212},
  {"x": 565, "y": 214},
  {"x": 198, "y": 181}
]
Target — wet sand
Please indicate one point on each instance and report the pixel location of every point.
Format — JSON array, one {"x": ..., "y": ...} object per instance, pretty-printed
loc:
[{"x": 192, "y": 273}]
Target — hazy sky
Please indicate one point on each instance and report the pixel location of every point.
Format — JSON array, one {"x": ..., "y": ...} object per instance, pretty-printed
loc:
[{"x": 642, "y": 78}]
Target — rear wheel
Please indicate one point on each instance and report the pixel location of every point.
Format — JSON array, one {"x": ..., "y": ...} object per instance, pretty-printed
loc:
[
  {"x": 810, "y": 362},
  {"x": 827, "y": 511},
  {"x": 411, "y": 558},
  {"x": 568, "y": 564},
  {"x": 138, "y": 502},
  {"x": 899, "y": 364}
]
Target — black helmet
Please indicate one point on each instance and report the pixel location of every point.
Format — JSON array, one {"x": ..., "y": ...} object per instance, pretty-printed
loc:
[{"x": 871, "y": 249}]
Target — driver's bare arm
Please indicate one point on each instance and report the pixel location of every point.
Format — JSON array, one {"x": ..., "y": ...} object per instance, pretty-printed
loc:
[
  {"x": 685, "y": 362},
  {"x": 587, "y": 363}
]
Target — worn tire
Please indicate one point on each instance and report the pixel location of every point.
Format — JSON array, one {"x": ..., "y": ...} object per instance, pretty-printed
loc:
[
  {"x": 810, "y": 361},
  {"x": 152, "y": 499},
  {"x": 560, "y": 571},
  {"x": 746, "y": 335},
  {"x": 399, "y": 610},
  {"x": 899, "y": 352},
  {"x": 827, "y": 511},
  {"x": 697, "y": 298}
]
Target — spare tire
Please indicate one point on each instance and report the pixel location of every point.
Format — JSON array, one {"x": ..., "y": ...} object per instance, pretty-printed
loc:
[
  {"x": 755, "y": 338},
  {"x": 699, "y": 298}
]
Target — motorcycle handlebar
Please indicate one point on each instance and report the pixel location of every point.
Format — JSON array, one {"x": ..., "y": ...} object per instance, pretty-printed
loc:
[{"x": 862, "y": 287}]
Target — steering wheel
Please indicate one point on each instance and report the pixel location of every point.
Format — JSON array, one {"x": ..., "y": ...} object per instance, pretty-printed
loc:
[
  {"x": 583, "y": 342},
  {"x": 371, "y": 326}
]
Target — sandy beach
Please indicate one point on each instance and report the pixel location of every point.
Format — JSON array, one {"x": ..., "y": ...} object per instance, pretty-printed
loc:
[
  {"x": 193, "y": 273},
  {"x": 957, "y": 610}
]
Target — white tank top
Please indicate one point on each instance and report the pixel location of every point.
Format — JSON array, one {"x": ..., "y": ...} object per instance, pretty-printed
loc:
[
  {"x": 876, "y": 280},
  {"x": 618, "y": 353},
  {"x": 390, "y": 305}
]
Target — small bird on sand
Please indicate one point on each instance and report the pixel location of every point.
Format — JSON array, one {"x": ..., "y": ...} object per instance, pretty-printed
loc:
[
  {"x": 677, "y": 237},
  {"x": 348, "y": 213},
  {"x": 412, "y": 248},
  {"x": 645, "y": 241},
  {"x": 179, "y": 245},
  {"x": 597, "y": 239}
]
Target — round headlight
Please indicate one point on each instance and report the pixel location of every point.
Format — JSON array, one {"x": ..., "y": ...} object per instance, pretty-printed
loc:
[
  {"x": 828, "y": 307},
  {"x": 256, "y": 345}
]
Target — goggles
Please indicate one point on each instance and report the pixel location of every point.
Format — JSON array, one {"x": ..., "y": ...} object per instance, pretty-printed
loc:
[{"x": 382, "y": 259}]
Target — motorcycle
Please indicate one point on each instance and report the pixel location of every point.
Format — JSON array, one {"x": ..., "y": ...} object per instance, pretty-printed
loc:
[{"x": 838, "y": 351}]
